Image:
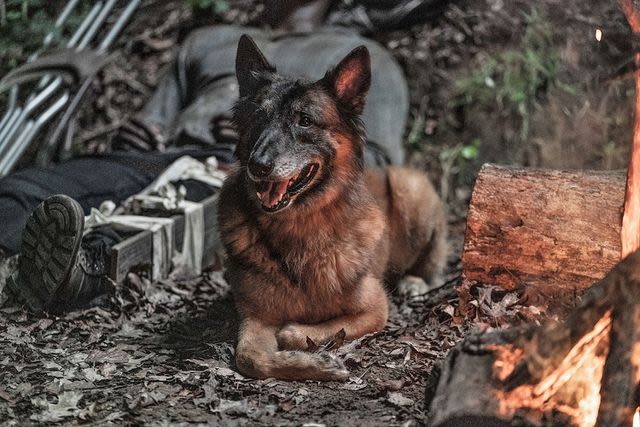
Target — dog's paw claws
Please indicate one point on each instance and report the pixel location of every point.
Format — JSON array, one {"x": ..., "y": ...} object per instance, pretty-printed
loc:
[
  {"x": 333, "y": 367},
  {"x": 412, "y": 286}
]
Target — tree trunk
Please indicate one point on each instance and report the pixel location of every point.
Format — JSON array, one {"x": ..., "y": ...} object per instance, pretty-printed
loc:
[
  {"x": 551, "y": 233},
  {"x": 630, "y": 233}
]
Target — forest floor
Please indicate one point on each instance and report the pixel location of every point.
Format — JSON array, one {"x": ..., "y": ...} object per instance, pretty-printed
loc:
[{"x": 162, "y": 354}]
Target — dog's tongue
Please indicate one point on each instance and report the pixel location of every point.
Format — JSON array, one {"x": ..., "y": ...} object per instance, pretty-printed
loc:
[{"x": 273, "y": 193}]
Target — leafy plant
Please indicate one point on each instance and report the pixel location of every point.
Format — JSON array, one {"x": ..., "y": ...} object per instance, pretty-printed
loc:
[
  {"x": 24, "y": 25},
  {"x": 453, "y": 161},
  {"x": 515, "y": 78},
  {"x": 459, "y": 154}
]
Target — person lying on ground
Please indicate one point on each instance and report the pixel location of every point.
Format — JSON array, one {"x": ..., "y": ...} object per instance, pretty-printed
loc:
[{"x": 187, "y": 115}]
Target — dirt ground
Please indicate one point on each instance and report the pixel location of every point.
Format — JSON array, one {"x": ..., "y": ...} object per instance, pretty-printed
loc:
[{"x": 162, "y": 354}]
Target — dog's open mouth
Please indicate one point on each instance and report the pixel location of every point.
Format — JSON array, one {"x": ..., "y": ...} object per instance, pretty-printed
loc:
[{"x": 277, "y": 195}]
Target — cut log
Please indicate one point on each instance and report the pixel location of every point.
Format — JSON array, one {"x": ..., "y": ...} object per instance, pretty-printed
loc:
[
  {"x": 551, "y": 233},
  {"x": 583, "y": 371}
]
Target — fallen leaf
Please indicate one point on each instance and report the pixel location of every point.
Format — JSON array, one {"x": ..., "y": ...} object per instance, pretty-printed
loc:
[
  {"x": 91, "y": 375},
  {"x": 226, "y": 372},
  {"x": 67, "y": 406},
  {"x": 311, "y": 345},
  {"x": 7, "y": 397},
  {"x": 209, "y": 390},
  {"x": 398, "y": 399},
  {"x": 449, "y": 309},
  {"x": 232, "y": 407},
  {"x": 287, "y": 406},
  {"x": 113, "y": 355},
  {"x": 208, "y": 363},
  {"x": 392, "y": 385},
  {"x": 354, "y": 386}
]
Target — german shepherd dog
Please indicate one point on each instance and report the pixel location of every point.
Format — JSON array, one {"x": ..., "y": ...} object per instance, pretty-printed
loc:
[{"x": 311, "y": 235}]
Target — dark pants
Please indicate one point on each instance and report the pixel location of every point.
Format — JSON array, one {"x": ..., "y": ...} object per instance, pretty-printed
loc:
[{"x": 90, "y": 180}]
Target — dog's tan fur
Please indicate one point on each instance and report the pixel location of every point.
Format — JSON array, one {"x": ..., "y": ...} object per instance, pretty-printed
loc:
[
  {"x": 314, "y": 269},
  {"x": 326, "y": 246}
]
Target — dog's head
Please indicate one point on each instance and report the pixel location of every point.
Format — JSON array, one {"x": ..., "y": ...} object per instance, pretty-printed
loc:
[{"x": 300, "y": 141}]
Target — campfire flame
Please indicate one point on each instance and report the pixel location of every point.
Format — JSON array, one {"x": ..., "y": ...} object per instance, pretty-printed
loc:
[{"x": 575, "y": 384}]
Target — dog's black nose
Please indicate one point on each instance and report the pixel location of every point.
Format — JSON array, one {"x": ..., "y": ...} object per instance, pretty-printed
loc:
[{"x": 260, "y": 168}]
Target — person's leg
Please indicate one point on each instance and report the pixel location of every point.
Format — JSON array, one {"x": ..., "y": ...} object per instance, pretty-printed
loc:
[
  {"x": 59, "y": 269},
  {"x": 89, "y": 180},
  {"x": 51, "y": 241},
  {"x": 197, "y": 89},
  {"x": 200, "y": 86}
]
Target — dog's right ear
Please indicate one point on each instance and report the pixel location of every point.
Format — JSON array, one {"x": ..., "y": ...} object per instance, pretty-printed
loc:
[
  {"x": 250, "y": 66},
  {"x": 350, "y": 79}
]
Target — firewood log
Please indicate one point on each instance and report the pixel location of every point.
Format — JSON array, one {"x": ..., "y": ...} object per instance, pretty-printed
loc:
[{"x": 550, "y": 233}]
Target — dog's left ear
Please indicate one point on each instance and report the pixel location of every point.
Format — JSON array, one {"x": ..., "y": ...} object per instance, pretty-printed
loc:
[
  {"x": 250, "y": 66},
  {"x": 350, "y": 79}
]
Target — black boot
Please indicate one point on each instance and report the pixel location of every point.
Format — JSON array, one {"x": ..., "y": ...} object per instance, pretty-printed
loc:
[{"x": 55, "y": 273}]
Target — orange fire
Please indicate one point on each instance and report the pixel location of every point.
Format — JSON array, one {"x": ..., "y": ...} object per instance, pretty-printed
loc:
[
  {"x": 573, "y": 388},
  {"x": 630, "y": 231}
]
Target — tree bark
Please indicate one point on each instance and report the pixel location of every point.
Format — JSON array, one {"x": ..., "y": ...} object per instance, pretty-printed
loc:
[
  {"x": 551, "y": 233},
  {"x": 630, "y": 233}
]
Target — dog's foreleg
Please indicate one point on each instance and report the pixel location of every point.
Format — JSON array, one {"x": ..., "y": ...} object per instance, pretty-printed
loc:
[
  {"x": 371, "y": 316},
  {"x": 257, "y": 356}
]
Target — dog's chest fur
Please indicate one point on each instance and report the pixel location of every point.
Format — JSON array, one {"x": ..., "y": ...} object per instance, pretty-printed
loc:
[{"x": 302, "y": 266}]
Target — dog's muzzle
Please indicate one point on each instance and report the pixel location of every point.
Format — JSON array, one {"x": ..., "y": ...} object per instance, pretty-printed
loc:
[{"x": 275, "y": 195}]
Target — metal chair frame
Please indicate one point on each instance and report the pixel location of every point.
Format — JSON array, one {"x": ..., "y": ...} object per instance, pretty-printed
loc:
[{"x": 22, "y": 123}]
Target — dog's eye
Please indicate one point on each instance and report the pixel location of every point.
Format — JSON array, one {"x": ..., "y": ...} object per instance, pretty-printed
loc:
[{"x": 304, "y": 121}]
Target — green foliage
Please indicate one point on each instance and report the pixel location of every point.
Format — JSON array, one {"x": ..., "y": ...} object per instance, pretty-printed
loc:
[
  {"x": 513, "y": 79},
  {"x": 459, "y": 155},
  {"x": 610, "y": 151},
  {"x": 24, "y": 25},
  {"x": 216, "y": 6},
  {"x": 454, "y": 161}
]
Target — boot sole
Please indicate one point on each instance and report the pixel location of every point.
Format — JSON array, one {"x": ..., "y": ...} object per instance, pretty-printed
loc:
[{"x": 50, "y": 244}]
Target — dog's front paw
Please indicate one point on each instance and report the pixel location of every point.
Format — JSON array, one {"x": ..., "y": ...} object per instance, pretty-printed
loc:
[
  {"x": 412, "y": 286},
  {"x": 332, "y": 367},
  {"x": 292, "y": 337}
]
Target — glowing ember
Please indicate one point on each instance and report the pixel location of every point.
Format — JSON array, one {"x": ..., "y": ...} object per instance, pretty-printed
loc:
[
  {"x": 599, "y": 34},
  {"x": 573, "y": 388}
]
